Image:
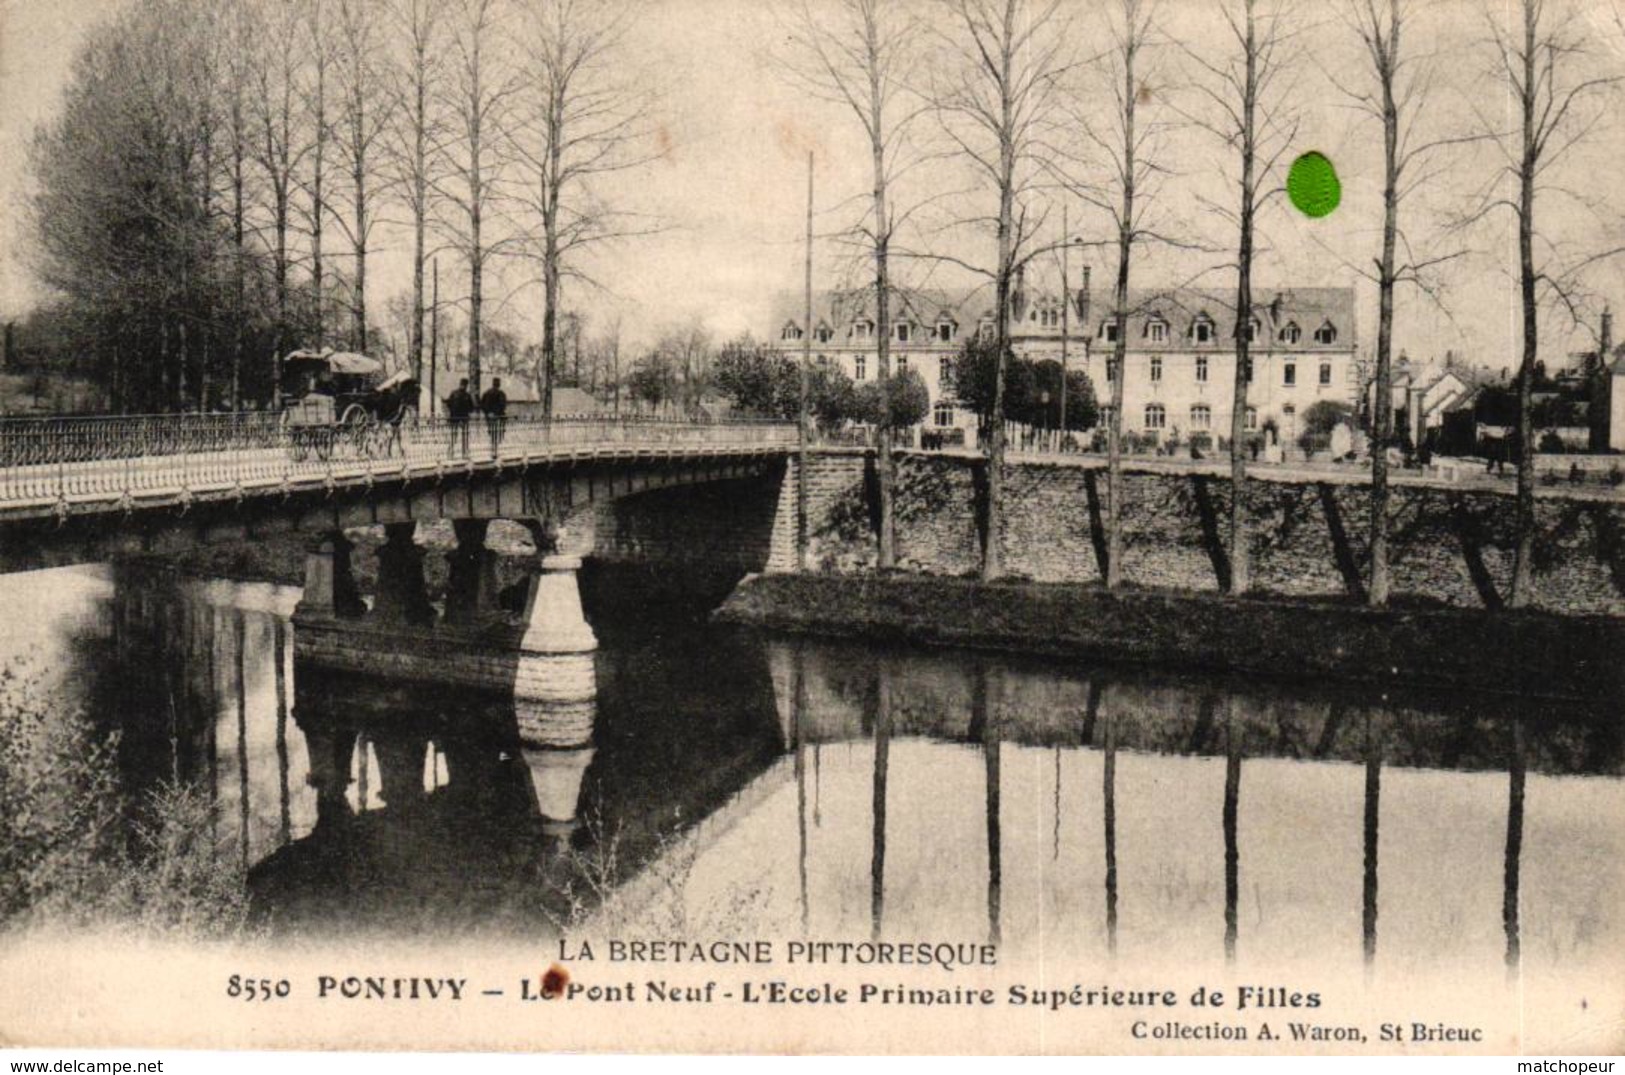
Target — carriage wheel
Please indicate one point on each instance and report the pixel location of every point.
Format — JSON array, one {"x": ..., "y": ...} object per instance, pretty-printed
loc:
[{"x": 355, "y": 429}]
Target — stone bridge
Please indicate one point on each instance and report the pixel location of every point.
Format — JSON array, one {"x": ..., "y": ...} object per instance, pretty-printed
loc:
[{"x": 73, "y": 490}]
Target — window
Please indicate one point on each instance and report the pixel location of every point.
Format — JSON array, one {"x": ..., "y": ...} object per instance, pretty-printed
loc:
[
  {"x": 1111, "y": 370},
  {"x": 1289, "y": 374},
  {"x": 985, "y": 329},
  {"x": 860, "y": 368},
  {"x": 824, "y": 333},
  {"x": 1156, "y": 331},
  {"x": 1249, "y": 369},
  {"x": 1201, "y": 368},
  {"x": 1108, "y": 331},
  {"x": 1156, "y": 367},
  {"x": 862, "y": 330},
  {"x": 901, "y": 331},
  {"x": 902, "y": 365},
  {"x": 1252, "y": 331},
  {"x": 1252, "y": 417},
  {"x": 1326, "y": 333},
  {"x": 1325, "y": 373},
  {"x": 942, "y": 415},
  {"x": 1050, "y": 317},
  {"x": 1201, "y": 416},
  {"x": 1291, "y": 333},
  {"x": 1202, "y": 329},
  {"x": 945, "y": 331},
  {"x": 823, "y": 360},
  {"x": 945, "y": 372},
  {"x": 1156, "y": 416},
  {"x": 791, "y": 331}
]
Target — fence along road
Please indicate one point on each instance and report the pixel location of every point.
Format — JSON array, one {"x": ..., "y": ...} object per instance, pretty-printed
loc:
[{"x": 69, "y": 466}]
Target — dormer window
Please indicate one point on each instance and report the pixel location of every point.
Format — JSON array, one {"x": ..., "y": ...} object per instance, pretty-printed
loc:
[
  {"x": 1156, "y": 330},
  {"x": 1291, "y": 333},
  {"x": 791, "y": 331},
  {"x": 900, "y": 330},
  {"x": 1252, "y": 330},
  {"x": 823, "y": 333},
  {"x": 1326, "y": 333},
  {"x": 1108, "y": 331},
  {"x": 1202, "y": 329},
  {"x": 862, "y": 329},
  {"x": 1050, "y": 317},
  {"x": 946, "y": 330}
]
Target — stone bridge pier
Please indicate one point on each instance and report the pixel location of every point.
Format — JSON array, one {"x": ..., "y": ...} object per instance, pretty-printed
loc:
[
  {"x": 540, "y": 658},
  {"x": 551, "y": 622}
]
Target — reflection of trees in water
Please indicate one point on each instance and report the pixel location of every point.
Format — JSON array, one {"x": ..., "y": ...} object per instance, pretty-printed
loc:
[
  {"x": 932, "y": 694},
  {"x": 972, "y": 699}
]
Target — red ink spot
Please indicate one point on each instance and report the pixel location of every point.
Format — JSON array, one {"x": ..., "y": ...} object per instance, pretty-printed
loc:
[{"x": 554, "y": 981}]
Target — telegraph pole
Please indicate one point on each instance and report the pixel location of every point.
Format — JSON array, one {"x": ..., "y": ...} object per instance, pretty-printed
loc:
[
  {"x": 806, "y": 374},
  {"x": 1066, "y": 311},
  {"x": 434, "y": 337}
]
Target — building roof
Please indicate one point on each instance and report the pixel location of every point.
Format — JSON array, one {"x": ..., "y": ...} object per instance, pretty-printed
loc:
[
  {"x": 1308, "y": 308},
  {"x": 1276, "y": 310}
]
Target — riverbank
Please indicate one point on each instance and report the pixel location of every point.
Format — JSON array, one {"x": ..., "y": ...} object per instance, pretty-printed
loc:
[{"x": 1529, "y": 653}]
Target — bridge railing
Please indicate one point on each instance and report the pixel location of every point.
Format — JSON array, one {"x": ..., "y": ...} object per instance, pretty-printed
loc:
[{"x": 61, "y": 459}]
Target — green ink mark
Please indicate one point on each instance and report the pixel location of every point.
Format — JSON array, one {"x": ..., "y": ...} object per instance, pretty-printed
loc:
[{"x": 1312, "y": 185}]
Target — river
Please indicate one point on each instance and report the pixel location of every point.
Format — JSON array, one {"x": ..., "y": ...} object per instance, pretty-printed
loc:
[{"x": 727, "y": 783}]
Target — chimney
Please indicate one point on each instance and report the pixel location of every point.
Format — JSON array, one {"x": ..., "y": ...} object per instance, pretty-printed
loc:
[
  {"x": 1083, "y": 299},
  {"x": 1607, "y": 345}
]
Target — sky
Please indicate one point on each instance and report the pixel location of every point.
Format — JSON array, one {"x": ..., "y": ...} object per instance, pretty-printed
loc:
[{"x": 729, "y": 192}]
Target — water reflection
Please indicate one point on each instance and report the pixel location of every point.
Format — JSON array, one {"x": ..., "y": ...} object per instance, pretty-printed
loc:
[{"x": 1102, "y": 811}]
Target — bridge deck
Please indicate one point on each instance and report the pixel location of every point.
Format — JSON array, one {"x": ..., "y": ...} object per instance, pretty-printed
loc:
[{"x": 78, "y": 466}]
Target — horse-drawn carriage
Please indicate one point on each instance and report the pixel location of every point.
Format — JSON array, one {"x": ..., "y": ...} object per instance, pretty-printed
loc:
[{"x": 341, "y": 402}]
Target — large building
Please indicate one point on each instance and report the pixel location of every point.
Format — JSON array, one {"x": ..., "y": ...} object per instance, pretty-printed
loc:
[{"x": 1180, "y": 350}]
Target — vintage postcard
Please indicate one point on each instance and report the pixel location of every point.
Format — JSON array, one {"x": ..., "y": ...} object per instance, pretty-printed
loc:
[{"x": 813, "y": 526}]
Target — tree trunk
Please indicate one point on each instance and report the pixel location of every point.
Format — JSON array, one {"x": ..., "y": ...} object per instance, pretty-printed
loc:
[
  {"x": 1382, "y": 417},
  {"x": 1240, "y": 538},
  {"x": 1521, "y": 566},
  {"x": 885, "y": 469},
  {"x": 316, "y": 203},
  {"x": 1125, "y": 247},
  {"x": 992, "y": 560}
]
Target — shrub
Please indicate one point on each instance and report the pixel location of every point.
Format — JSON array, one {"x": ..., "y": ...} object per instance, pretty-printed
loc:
[{"x": 67, "y": 855}]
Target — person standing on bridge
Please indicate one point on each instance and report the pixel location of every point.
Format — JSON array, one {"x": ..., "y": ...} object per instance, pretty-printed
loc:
[
  {"x": 494, "y": 402},
  {"x": 459, "y": 405}
]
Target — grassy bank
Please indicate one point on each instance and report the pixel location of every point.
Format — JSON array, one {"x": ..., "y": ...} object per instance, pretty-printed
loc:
[{"x": 1527, "y": 653}]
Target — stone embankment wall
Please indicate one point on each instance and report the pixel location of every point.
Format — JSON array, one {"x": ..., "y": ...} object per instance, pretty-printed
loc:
[{"x": 1448, "y": 546}]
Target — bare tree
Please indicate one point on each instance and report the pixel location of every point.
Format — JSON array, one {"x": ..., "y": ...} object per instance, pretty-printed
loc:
[
  {"x": 1396, "y": 95},
  {"x": 279, "y": 148},
  {"x": 318, "y": 34},
  {"x": 479, "y": 90},
  {"x": 865, "y": 56},
  {"x": 236, "y": 72},
  {"x": 1247, "y": 109},
  {"x": 1131, "y": 143},
  {"x": 416, "y": 139},
  {"x": 1560, "y": 96},
  {"x": 367, "y": 108},
  {"x": 997, "y": 92},
  {"x": 585, "y": 119}
]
